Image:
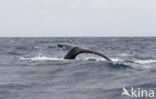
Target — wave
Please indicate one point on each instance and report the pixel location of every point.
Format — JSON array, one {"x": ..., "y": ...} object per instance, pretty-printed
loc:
[
  {"x": 117, "y": 62},
  {"x": 102, "y": 59},
  {"x": 146, "y": 64},
  {"x": 42, "y": 58},
  {"x": 145, "y": 61}
]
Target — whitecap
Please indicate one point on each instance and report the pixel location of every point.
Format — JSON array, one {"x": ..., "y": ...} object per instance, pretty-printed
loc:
[
  {"x": 102, "y": 59},
  {"x": 145, "y": 61},
  {"x": 42, "y": 58}
]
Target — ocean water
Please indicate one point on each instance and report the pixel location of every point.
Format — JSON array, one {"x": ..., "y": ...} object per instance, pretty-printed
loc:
[{"x": 34, "y": 68}]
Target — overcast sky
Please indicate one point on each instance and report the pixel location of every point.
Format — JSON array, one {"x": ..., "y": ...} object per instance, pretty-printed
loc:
[{"x": 77, "y": 18}]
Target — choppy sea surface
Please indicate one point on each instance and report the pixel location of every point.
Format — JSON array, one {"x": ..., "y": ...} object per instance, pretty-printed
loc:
[{"x": 34, "y": 68}]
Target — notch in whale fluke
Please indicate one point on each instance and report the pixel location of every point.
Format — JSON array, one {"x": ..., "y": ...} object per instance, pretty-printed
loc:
[{"x": 75, "y": 50}]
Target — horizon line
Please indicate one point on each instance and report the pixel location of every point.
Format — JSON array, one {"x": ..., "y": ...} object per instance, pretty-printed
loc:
[{"x": 70, "y": 36}]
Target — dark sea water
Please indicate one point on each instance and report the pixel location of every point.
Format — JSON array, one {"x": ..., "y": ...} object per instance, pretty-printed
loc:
[{"x": 34, "y": 68}]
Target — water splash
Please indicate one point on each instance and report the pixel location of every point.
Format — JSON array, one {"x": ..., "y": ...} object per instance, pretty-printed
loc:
[{"x": 61, "y": 52}]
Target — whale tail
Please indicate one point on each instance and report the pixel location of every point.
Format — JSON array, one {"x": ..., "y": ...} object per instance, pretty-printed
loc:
[{"x": 75, "y": 50}]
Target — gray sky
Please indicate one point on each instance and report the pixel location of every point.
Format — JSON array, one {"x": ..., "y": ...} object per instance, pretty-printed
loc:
[{"x": 77, "y": 17}]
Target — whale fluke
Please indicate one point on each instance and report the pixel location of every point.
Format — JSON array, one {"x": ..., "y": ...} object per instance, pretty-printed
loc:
[{"x": 75, "y": 50}]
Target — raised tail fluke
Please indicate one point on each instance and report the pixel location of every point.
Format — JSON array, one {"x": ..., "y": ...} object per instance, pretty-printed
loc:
[
  {"x": 96, "y": 53},
  {"x": 75, "y": 50}
]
